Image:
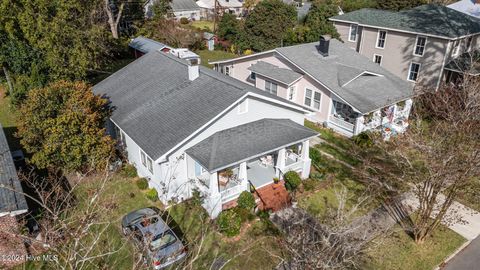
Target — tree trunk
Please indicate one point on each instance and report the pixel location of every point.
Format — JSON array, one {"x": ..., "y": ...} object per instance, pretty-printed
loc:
[
  {"x": 9, "y": 80},
  {"x": 112, "y": 21}
]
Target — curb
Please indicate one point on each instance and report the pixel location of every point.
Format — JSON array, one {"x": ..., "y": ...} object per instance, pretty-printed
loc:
[{"x": 460, "y": 249}]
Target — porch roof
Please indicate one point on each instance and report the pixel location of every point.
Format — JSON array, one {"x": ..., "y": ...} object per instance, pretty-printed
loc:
[
  {"x": 466, "y": 63},
  {"x": 244, "y": 142}
]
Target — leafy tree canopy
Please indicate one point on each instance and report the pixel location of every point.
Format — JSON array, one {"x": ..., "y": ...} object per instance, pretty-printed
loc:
[
  {"x": 397, "y": 5},
  {"x": 228, "y": 27},
  {"x": 62, "y": 126},
  {"x": 266, "y": 26}
]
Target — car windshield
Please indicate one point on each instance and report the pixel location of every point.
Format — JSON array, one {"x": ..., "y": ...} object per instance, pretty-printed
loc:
[{"x": 162, "y": 240}]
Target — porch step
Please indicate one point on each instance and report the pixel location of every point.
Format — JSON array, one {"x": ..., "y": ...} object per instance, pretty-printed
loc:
[{"x": 273, "y": 197}]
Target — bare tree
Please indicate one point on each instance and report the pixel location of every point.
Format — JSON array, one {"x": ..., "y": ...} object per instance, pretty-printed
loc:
[
  {"x": 114, "y": 13},
  {"x": 441, "y": 152}
]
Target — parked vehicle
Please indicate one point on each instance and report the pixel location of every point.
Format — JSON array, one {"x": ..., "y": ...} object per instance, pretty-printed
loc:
[{"x": 151, "y": 233}]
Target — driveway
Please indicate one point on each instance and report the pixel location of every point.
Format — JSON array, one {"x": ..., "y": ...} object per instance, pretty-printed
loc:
[{"x": 467, "y": 259}]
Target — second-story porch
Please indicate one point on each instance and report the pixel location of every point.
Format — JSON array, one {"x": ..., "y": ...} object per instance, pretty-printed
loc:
[{"x": 390, "y": 120}]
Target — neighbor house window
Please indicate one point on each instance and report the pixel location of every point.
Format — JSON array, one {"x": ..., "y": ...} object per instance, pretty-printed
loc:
[
  {"x": 353, "y": 33},
  {"x": 147, "y": 162},
  {"x": 413, "y": 71},
  {"x": 377, "y": 59},
  {"x": 227, "y": 71},
  {"x": 292, "y": 93},
  {"x": 271, "y": 87},
  {"x": 150, "y": 164},
  {"x": 253, "y": 76},
  {"x": 420, "y": 46},
  {"x": 310, "y": 96},
  {"x": 468, "y": 46},
  {"x": 381, "y": 38}
]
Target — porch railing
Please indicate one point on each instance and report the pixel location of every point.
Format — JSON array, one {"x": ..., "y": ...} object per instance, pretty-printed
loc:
[
  {"x": 231, "y": 193},
  {"x": 342, "y": 124}
]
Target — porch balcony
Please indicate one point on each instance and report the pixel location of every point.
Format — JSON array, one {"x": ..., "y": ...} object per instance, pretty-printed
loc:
[{"x": 393, "y": 119}]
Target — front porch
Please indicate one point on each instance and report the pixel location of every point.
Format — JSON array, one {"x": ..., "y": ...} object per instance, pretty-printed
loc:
[
  {"x": 245, "y": 164},
  {"x": 390, "y": 120}
]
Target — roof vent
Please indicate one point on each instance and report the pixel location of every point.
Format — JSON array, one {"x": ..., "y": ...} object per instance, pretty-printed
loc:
[
  {"x": 324, "y": 45},
  {"x": 193, "y": 70}
]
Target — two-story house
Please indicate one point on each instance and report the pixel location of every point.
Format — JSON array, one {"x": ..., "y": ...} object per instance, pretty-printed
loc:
[
  {"x": 347, "y": 92},
  {"x": 186, "y": 127},
  {"x": 417, "y": 44}
]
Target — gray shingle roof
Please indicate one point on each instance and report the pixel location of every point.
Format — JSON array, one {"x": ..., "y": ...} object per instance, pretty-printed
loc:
[
  {"x": 9, "y": 200},
  {"x": 428, "y": 19},
  {"x": 340, "y": 73},
  {"x": 157, "y": 106},
  {"x": 146, "y": 45},
  {"x": 247, "y": 141},
  {"x": 283, "y": 75},
  {"x": 183, "y": 5},
  {"x": 468, "y": 63}
]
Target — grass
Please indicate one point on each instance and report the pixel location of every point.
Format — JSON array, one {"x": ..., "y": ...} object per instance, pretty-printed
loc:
[
  {"x": 470, "y": 195},
  {"x": 203, "y": 25},
  {"x": 330, "y": 136},
  {"x": 208, "y": 56},
  {"x": 399, "y": 251},
  {"x": 8, "y": 119}
]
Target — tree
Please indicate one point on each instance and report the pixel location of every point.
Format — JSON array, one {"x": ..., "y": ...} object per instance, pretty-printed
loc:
[
  {"x": 397, "y": 5},
  {"x": 169, "y": 32},
  {"x": 266, "y": 26},
  {"x": 441, "y": 153},
  {"x": 351, "y": 5},
  {"x": 161, "y": 9},
  {"x": 114, "y": 12},
  {"x": 228, "y": 28},
  {"x": 62, "y": 127},
  {"x": 317, "y": 21}
]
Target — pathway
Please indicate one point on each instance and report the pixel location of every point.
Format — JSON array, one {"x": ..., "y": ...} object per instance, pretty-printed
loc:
[{"x": 467, "y": 259}]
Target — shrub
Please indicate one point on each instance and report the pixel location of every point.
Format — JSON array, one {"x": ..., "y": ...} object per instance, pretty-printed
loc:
[
  {"x": 317, "y": 175},
  {"x": 184, "y": 20},
  {"x": 246, "y": 200},
  {"x": 142, "y": 183},
  {"x": 363, "y": 139},
  {"x": 129, "y": 171},
  {"x": 292, "y": 180},
  {"x": 245, "y": 214},
  {"x": 310, "y": 184},
  {"x": 263, "y": 214},
  {"x": 315, "y": 155},
  {"x": 152, "y": 194},
  {"x": 229, "y": 223}
]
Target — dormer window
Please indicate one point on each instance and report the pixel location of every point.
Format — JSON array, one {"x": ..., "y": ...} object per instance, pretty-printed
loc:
[{"x": 420, "y": 46}]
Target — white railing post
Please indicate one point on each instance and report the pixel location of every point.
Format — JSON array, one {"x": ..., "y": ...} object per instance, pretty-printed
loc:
[
  {"x": 280, "y": 166},
  {"x": 213, "y": 203},
  {"x": 242, "y": 175},
  {"x": 306, "y": 159},
  {"x": 359, "y": 125}
]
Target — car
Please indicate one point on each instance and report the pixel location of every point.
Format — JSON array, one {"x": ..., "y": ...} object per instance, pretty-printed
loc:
[{"x": 149, "y": 229}]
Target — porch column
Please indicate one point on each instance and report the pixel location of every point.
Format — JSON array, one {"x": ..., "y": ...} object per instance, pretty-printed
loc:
[
  {"x": 307, "y": 162},
  {"x": 280, "y": 166},
  {"x": 359, "y": 125},
  {"x": 214, "y": 202},
  {"x": 242, "y": 175},
  {"x": 408, "y": 107}
]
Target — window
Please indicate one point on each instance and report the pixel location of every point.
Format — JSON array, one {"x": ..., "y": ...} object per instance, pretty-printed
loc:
[
  {"x": 381, "y": 38},
  {"x": 243, "y": 107},
  {"x": 352, "y": 36},
  {"x": 199, "y": 170},
  {"x": 227, "y": 71},
  {"x": 308, "y": 97},
  {"x": 253, "y": 76},
  {"x": 144, "y": 158},
  {"x": 271, "y": 87},
  {"x": 377, "y": 59},
  {"x": 292, "y": 93},
  {"x": 420, "y": 46},
  {"x": 312, "y": 95},
  {"x": 413, "y": 72},
  {"x": 150, "y": 164},
  {"x": 456, "y": 47}
]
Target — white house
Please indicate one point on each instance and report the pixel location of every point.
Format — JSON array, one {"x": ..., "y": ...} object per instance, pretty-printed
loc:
[
  {"x": 186, "y": 127},
  {"x": 207, "y": 7},
  {"x": 180, "y": 9}
]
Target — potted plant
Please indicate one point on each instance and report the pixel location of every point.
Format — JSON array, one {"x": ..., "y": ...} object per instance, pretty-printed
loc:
[
  {"x": 228, "y": 173},
  {"x": 276, "y": 180}
]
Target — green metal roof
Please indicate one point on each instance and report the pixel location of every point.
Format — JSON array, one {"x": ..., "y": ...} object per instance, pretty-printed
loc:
[{"x": 431, "y": 19}]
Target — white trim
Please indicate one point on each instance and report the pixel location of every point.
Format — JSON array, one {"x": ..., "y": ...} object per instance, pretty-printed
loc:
[
  {"x": 214, "y": 119},
  {"x": 381, "y": 59},
  {"x": 378, "y": 39},
  {"x": 400, "y": 30},
  {"x": 350, "y": 32},
  {"x": 410, "y": 70},
  {"x": 416, "y": 44},
  {"x": 447, "y": 50},
  {"x": 240, "y": 58}
]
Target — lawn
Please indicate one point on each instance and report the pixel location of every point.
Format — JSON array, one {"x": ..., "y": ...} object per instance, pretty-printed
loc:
[
  {"x": 208, "y": 56},
  {"x": 399, "y": 251},
  {"x": 8, "y": 119},
  {"x": 203, "y": 25}
]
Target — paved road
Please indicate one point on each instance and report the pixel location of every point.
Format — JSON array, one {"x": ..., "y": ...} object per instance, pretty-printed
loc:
[{"x": 467, "y": 259}]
